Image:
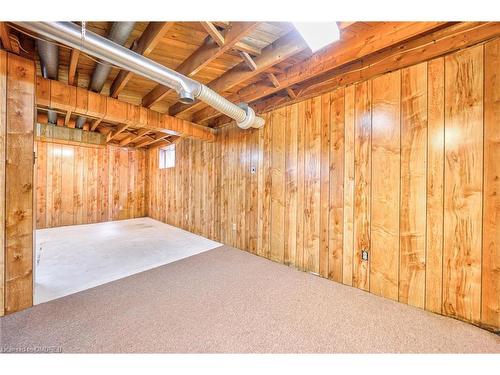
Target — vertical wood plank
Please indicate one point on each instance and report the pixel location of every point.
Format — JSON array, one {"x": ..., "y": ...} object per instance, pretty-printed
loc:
[
  {"x": 301, "y": 142},
  {"x": 336, "y": 180},
  {"x": 413, "y": 184},
  {"x": 386, "y": 163},
  {"x": 324, "y": 199},
  {"x": 435, "y": 185},
  {"x": 278, "y": 186},
  {"x": 41, "y": 185},
  {"x": 291, "y": 133},
  {"x": 463, "y": 184},
  {"x": 312, "y": 170},
  {"x": 348, "y": 245},
  {"x": 67, "y": 186},
  {"x": 3, "y": 129},
  {"x": 491, "y": 214},
  {"x": 362, "y": 184},
  {"x": 19, "y": 184}
]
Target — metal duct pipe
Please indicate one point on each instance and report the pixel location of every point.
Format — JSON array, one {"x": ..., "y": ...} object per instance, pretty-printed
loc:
[
  {"x": 49, "y": 64},
  {"x": 119, "y": 33},
  {"x": 188, "y": 89}
]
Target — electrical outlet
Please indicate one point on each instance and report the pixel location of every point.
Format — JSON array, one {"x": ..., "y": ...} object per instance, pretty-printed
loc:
[
  {"x": 364, "y": 255},
  {"x": 234, "y": 226}
]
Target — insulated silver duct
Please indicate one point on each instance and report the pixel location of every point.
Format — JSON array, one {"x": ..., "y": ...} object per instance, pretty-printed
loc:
[
  {"x": 119, "y": 33},
  {"x": 188, "y": 89},
  {"x": 49, "y": 64}
]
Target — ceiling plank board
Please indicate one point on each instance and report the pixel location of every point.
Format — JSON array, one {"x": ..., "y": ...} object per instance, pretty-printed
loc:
[
  {"x": 200, "y": 58},
  {"x": 143, "y": 46}
]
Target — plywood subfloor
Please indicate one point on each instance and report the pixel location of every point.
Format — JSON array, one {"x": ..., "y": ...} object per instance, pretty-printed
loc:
[
  {"x": 226, "y": 300},
  {"x": 74, "y": 258}
]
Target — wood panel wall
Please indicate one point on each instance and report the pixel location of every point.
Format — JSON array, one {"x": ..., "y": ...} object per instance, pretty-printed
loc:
[
  {"x": 79, "y": 184},
  {"x": 403, "y": 165},
  {"x": 17, "y": 116},
  {"x": 393, "y": 165},
  {"x": 185, "y": 196}
]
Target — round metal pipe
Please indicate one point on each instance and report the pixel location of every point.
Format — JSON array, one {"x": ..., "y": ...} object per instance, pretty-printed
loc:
[{"x": 97, "y": 46}]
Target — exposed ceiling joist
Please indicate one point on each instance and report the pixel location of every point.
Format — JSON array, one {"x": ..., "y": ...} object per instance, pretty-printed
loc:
[
  {"x": 414, "y": 51},
  {"x": 248, "y": 60},
  {"x": 120, "y": 129},
  {"x": 340, "y": 53},
  {"x": 73, "y": 63},
  {"x": 134, "y": 137},
  {"x": 280, "y": 50},
  {"x": 200, "y": 58},
  {"x": 212, "y": 30},
  {"x": 150, "y": 141},
  {"x": 273, "y": 80},
  {"x": 144, "y": 46}
]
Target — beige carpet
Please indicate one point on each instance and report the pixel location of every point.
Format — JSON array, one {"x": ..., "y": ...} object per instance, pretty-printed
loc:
[{"x": 226, "y": 300}]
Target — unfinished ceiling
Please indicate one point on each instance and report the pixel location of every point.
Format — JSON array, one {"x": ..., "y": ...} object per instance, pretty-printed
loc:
[{"x": 266, "y": 64}]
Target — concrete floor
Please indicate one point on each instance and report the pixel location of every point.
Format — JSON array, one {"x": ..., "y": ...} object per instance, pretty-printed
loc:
[{"x": 74, "y": 258}]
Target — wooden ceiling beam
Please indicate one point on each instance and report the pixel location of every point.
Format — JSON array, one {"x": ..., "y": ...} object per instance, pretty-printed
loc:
[
  {"x": 134, "y": 137},
  {"x": 245, "y": 47},
  {"x": 5, "y": 36},
  {"x": 55, "y": 95},
  {"x": 248, "y": 60},
  {"x": 273, "y": 80},
  {"x": 120, "y": 129},
  {"x": 200, "y": 58},
  {"x": 340, "y": 53},
  {"x": 73, "y": 63},
  {"x": 148, "y": 142},
  {"x": 149, "y": 39},
  {"x": 212, "y": 30},
  {"x": 425, "y": 48},
  {"x": 276, "y": 52}
]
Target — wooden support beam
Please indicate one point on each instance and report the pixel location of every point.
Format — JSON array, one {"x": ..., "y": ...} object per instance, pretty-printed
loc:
[
  {"x": 73, "y": 63},
  {"x": 134, "y": 137},
  {"x": 250, "y": 49},
  {"x": 5, "y": 36},
  {"x": 291, "y": 93},
  {"x": 61, "y": 97},
  {"x": 340, "y": 53},
  {"x": 280, "y": 50},
  {"x": 248, "y": 60},
  {"x": 429, "y": 46},
  {"x": 273, "y": 80},
  {"x": 149, "y": 39},
  {"x": 212, "y": 30},
  {"x": 148, "y": 142},
  {"x": 113, "y": 134},
  {"x": 95, "y": 124},
  {"x": 66, "y": 120},
  {"x": 200, "y": 58}
]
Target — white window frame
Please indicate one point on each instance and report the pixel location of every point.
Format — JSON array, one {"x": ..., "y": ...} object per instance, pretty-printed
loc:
[{"x": 166, "y": 157}]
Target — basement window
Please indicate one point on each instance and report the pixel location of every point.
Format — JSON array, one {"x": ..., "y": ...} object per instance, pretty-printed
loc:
[{"x": 167, "y": 157}]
